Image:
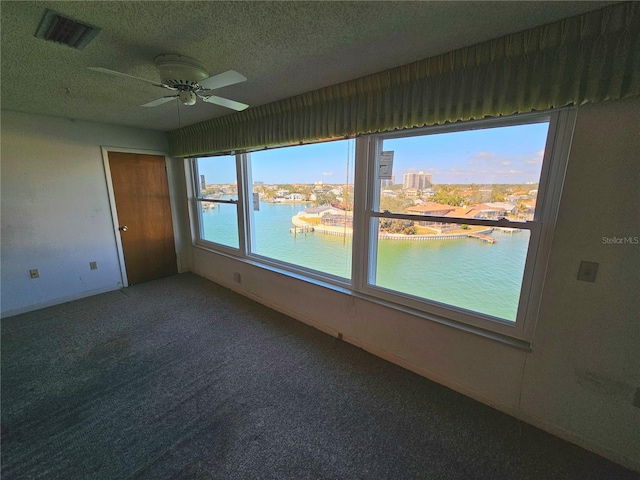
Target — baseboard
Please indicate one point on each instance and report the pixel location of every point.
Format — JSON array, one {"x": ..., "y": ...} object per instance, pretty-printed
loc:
[{"x": 59, "y": 300}]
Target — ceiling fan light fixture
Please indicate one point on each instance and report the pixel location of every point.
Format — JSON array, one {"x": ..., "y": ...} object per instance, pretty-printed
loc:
[{"x": 187, "y": 97}]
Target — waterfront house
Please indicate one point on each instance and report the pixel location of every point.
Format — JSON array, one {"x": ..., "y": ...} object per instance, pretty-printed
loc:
[
  {"x": 322, "y": 210},
  {"x": 431, "y": 208}
]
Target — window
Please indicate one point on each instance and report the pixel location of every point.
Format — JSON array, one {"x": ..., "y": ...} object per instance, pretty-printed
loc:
[
  {"x": 302, "y": 213},
  {"x": 452, "y": 222},
  {"x": 216, "y": 182},
  {"x": 438, "y": 235}
]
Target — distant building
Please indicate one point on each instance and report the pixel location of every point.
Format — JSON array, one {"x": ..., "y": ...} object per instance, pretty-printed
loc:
[
  {"x": 296, "y": 197},
  {"x": 203, "y": 183},
  {"x": 500, "y": 209},
  {"x": 387, "y": 182},
  {"x": 418, "y": 180},
  {"x": 431, "y": 208},
  {"x": 321, "y": 211}
]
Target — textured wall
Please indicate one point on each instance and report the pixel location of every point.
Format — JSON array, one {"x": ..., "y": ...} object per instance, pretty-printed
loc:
[
  {"x": 55, "y": 209},
  {"x": 584, "y": 369}
]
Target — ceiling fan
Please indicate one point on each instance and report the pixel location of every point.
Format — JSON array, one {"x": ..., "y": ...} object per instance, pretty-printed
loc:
[{"x": 189, "y": 79}]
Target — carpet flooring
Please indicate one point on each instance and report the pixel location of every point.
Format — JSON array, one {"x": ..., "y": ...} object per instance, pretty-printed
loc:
[{"x": 181, "y": 378}]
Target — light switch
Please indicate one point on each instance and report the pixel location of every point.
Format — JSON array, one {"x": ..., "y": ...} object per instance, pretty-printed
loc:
[{"x": 587, "y": 271}]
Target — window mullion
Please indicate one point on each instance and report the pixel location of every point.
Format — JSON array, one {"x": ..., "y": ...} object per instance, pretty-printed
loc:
[
  {"x": 360, "y": 249},
  {"x": 244, "y": 203}
]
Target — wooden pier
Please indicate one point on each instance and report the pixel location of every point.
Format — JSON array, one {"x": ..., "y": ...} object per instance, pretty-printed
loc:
[
  {"x": 483, "y": 237},
  {"x": 297, "y": 230}
]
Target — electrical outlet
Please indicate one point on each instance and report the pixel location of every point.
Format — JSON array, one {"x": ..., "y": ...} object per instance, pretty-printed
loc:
[
  {"x": 587, "y": 271},
  {"x": 237, "y": 277},
  {"x": 34, "y": 273},
  {"x": 93, "y": 265}
]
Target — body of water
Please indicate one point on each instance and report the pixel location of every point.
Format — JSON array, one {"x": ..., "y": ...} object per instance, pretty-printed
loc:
[{"x": 466, "y": 272}]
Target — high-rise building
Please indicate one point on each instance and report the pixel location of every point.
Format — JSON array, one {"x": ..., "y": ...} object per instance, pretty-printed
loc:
[
  {"x": 418, "y": 180},
  {"x": 387, "y": 182},
  {"x": 203, "y": 183}
]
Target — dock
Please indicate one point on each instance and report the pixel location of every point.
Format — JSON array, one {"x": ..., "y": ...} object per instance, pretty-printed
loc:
[
  {"x": 483, "y": 237},
  {"x": 297, "y": 230}
]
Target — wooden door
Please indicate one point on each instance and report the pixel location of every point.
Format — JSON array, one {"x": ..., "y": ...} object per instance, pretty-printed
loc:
[{"x": 142, "y": 202}]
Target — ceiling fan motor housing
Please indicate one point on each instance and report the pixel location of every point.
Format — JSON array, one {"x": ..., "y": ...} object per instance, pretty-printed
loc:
[{"x": 180, "y": 72}]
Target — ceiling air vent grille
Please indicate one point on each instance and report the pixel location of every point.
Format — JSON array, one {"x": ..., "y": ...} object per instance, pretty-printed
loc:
[{"x": 56, "y": 28}]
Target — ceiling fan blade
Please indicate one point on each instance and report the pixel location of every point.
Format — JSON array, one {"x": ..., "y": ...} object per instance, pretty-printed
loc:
[
  {"x": 230, "y": 77},
  {"x": 160, "y": 101},
  {"x": 120, "y": 74},
  {"x": 225, "y": 102}
]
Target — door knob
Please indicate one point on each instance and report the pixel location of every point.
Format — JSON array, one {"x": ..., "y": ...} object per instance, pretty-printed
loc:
[{"x": 124, "y": 228}]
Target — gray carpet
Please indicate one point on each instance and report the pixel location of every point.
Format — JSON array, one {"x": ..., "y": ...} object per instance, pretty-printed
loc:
[{"x": 181, "y": 378}]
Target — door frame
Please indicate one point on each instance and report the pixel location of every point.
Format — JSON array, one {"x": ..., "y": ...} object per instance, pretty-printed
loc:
[{"x": 114, "y": 211}]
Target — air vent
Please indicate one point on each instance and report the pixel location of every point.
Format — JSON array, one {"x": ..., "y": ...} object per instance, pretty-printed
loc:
[{"x": 56, "y": 28}]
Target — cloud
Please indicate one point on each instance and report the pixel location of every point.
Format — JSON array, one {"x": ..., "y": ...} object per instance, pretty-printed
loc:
[
  {"x": 506, "y": 163},
  {"x": 327, "y": 174},
  {"x": 537, "y": 159},
  {"x": 484, "y": 155}
]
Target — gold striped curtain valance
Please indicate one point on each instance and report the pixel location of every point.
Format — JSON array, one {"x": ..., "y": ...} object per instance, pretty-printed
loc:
[{"x": 590, "y": 58}]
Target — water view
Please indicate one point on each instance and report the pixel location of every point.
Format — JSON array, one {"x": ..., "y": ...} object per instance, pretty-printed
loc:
[
  {"x": 465, "y": 272},
  {"x": 434, "y": 199}
]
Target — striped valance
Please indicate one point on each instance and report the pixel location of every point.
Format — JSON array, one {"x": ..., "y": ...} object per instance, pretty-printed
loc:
[{"x": 589, "y": 58}]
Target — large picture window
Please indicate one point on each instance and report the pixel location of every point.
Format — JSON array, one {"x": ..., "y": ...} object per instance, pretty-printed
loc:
[
  {"x": 302, "y": 209},
  {"x": 456, "y": 226},
  {"x": 451, "y": 222}
]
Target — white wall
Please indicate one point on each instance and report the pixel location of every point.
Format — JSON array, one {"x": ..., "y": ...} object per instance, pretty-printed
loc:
[
  {"x": 585, "y": 365},
  {"x": 55, "y": 209},
  {"x": 578, "y": 382}
]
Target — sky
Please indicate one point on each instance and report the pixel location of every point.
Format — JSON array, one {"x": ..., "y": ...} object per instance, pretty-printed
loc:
[{"x": 498, "y": 155}]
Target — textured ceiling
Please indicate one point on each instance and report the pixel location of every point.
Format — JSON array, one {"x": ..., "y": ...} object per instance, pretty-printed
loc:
[{"x": 283, "y": 48}]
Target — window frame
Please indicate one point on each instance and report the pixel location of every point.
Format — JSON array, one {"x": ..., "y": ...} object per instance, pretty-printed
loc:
[
  {"x": 541, "y": 227},
  {"x": 364, "y": 246},
  {"x": 198, "y": 224},
  {"x": 250, "y": 252}
]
